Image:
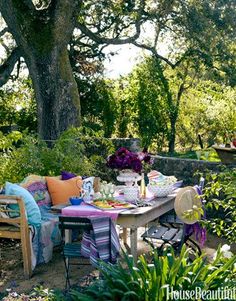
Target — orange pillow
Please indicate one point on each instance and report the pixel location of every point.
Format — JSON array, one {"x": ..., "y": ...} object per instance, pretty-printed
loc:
[{"x": 60, "y": 191}]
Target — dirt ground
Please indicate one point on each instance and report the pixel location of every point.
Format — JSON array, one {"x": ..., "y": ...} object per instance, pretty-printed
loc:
[{"x": 52, "y": 274}]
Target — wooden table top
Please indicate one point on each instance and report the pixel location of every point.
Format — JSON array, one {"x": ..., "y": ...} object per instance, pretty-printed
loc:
[{"x": 151, "y": 204}]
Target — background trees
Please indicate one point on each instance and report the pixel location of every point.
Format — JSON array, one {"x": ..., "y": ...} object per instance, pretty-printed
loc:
[
  {"x": 64, "y": 40},
  {"x": 18, "y": 107},
  {"x": 199, "y": 35},
  {"x": 142, "y": 109},
  {"x": 97, "y": 105},
  {"x": 206, "y": 108}
]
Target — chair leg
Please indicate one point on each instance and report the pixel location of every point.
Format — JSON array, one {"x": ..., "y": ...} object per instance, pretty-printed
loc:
[
  {"x": 26, "y": 252},
  {"x": 195, "y": 245},
  {"x": 67, "y": 267}
]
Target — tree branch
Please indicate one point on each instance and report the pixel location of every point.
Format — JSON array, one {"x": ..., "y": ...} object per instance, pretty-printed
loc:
[
  {"x": 7, "y": 67},
  {"x": 154, "y": 52},
  {"x": 16, "y": 7},
  {"x": 18, "y": 16},
  {"x": 2, "y": 32},
  {"x": 6, "y": 47},
  {"x": 102, "y": 40},
  {"x": 115, "y": 26}
]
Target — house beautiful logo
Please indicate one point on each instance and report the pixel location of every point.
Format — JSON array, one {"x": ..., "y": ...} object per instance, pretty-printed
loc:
[{"x": 198, "y": 293}]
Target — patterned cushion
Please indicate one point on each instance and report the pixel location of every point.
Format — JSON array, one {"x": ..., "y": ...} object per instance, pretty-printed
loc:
[
  {"x": 87, "y": 187},
  {"x": 32, "y": 210},
  {"x": 37, "y": 186}
]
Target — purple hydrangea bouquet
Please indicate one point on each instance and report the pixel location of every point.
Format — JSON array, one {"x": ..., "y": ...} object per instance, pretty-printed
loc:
[{"x": 124, "y": 159}]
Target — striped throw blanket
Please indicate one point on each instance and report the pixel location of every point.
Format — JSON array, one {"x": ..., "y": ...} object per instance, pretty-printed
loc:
[{"x": 102, "y": 243}]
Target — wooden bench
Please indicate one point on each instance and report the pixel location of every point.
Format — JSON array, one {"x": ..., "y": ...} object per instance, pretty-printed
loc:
[{"x": 16, "y": 228}]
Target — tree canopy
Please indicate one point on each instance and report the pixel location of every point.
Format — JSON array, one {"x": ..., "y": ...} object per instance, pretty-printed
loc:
[{"x": 52, "y": 35}]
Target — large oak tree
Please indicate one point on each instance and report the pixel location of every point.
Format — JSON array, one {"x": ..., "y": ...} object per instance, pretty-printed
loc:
[{"x": 43, "y": 32}]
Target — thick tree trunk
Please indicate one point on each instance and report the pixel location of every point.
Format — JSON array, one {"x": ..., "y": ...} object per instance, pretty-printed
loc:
[
  {"x": 56, "y": 91},
  {"x": 42, "y": 36}
]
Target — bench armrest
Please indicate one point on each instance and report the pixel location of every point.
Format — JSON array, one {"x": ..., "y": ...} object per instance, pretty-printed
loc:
[{"x": 5, "y": 200}]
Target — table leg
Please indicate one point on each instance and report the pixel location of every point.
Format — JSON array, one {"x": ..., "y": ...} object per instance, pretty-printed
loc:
[
  {"x": 68, "y": 236},
  {"x": 124, "y": 236},
  {"x": 134, "y": 243}
]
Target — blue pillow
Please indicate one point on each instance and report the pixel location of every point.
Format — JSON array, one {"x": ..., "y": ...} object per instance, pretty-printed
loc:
[{"x": 32, "y": 209}]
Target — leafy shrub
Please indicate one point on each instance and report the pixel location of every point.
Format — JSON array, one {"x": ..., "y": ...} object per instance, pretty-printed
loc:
[
  {"x": 18, "y": 106},
  {"x": 18, "y": 161},
  {"x": 93, "y": 147},
  {"x": 220, "y": 194},
  {"x": 77, "y": 150},
  {"x": 39, "y": 293},
  {"x": 150, "y": 281}
]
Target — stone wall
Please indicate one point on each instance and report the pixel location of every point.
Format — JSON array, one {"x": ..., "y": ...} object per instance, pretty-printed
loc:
[
  {"x": 133, "y": 144},
  {"x": 185, "y": 169}
]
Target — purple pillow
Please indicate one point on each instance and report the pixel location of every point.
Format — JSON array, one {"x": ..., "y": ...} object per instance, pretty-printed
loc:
[{"x": 65, "y": 175}]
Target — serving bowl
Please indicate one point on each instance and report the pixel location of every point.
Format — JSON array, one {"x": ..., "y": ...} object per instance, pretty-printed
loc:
[
  {"x": 161, "y": 191},
  {"x": 76, "y": 200}
]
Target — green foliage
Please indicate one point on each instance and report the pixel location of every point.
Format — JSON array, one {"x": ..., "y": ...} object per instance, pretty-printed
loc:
[
  {"x": 150, "y": 281},
  {"x": 205, "y": 154},
  {"x": 211, "y": 114},
  {"x": 197, "y": 34},
  {"x": 195, "y": 51},
  {"x": 6, "y": 141},
  {"x": 141, "y": 105},
  {"x": 93, "y": 147},
  {"x": 97, "y": 105},
  {"x": 18, "y": 106},
  {"x": 77, "y": 150},
  {"x": 124, "y": 106},
  {"x": 17, "y": 162},
  {"x": 220, "y": 194},
  {"x": 38, "y": 293},
  {"x": 150, "y": 106}
]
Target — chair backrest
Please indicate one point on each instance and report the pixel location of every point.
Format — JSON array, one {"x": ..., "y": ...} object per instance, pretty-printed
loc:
[
  {"x": 84, "y": 224},
  {"x": 71, "y": 222}
]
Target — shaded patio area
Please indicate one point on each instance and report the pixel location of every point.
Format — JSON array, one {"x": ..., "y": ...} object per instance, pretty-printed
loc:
[{"x": 52, "y": 275}]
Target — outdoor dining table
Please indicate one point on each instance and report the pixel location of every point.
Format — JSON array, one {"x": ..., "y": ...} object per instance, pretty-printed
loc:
[{"x": 128, "y": 219}]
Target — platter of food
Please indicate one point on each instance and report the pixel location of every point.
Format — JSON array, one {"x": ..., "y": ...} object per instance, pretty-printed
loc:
[{"x": 111, "y": 204}]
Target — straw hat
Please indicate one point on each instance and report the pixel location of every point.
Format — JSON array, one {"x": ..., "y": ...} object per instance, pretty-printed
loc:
[{"x": 188, "y": 205}]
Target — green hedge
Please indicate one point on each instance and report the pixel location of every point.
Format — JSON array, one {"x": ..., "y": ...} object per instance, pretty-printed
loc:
[{"x": 78, "y": 150}]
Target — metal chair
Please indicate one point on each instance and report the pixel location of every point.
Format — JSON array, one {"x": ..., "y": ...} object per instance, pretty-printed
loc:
[
  {"x": 172, "y": 230},
  {"x": 170, "y": 233},
  {"x": 73, "y": 250}
]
